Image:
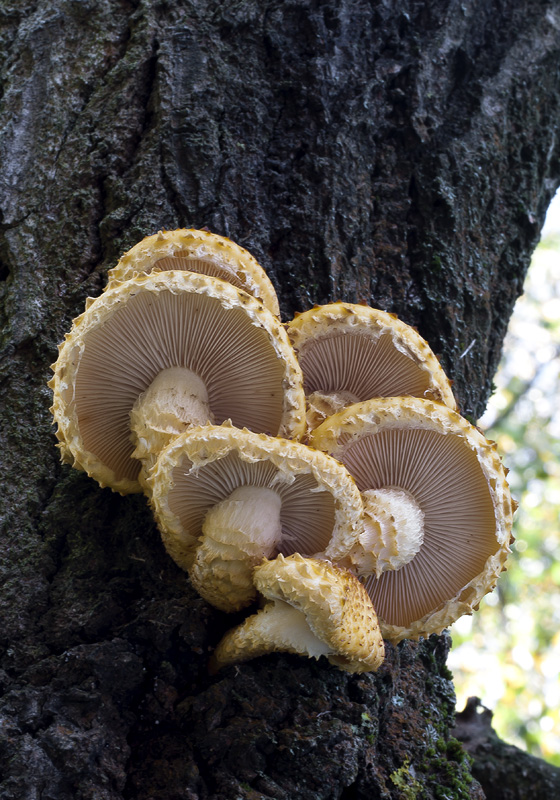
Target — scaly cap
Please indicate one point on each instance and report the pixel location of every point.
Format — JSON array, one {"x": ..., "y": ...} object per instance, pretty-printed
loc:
[
  {"x": 314, "y": 608},
  {"x": 136, "y": 330},
  {"x": 456, "y": 478},
  {"x": 204, "y": 468},
  {"x": 350, "y": 353},
  {"x": 198, "y": 251}
]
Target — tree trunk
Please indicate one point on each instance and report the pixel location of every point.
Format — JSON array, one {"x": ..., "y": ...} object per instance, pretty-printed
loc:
[
  {"x": 401, "y": 154},
  {"x": 504, "y": 771}
]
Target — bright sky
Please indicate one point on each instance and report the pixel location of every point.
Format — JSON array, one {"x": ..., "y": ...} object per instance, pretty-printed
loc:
[{"x": 509, "y": 655}]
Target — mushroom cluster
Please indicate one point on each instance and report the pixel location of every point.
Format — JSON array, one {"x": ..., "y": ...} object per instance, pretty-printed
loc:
[{"x": 320, "y": 467}]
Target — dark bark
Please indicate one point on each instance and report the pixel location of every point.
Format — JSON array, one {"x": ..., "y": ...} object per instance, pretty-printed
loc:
[
  {"x": 504, "y": 771},
  {"x": 401, "y": 154}
]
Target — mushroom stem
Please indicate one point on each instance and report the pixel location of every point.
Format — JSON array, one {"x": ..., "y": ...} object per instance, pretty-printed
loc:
[
  {"x": 393, "y": 531},
  {"x": 236, "y": 535},
  {"x": 176, "y": 399},
  {"x": 276, "y": 627}
]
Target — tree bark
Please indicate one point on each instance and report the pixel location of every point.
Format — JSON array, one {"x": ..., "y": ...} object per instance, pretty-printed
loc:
[
  {"x": 504, "y": 771},
  {"x": 402, "y": 154}
]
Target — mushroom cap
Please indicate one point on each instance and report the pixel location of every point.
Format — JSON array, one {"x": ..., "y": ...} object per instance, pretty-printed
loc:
[
  {"x": 456, "y": 477},
  {"x": 205, "y": 465},
  {"x": 336, "y": 608},
  {"x": 197, "y": 251},
  {"x": 366, "y": 353},
  {"x": 133, "y": 331}
]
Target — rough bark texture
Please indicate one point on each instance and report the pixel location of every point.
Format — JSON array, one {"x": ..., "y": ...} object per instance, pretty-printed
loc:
[
  {"x": 402, "y": 154},
  {"x": 504, "y": 771}
]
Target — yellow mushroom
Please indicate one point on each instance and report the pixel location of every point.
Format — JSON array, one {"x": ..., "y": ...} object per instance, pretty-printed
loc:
[
  {"x": 437, "y": 506},
  {"x": 224, "y": 499},
  {"x": 313, "y": 608},
  {"x": 161, "y": 352},
  {"x": 350, "y": 353},
  {"x": 197, "y": 251}
]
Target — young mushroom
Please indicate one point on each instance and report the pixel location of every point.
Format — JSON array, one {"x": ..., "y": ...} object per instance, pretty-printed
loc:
[
  {"x": 197, "y": 251},
  {"x": 351, "y": 353},
  {"x": 224, "y": 499},
  {"x": 313, "y": 608},
  {"x": 161, "y": 352},
  {"x": 437, "y": 507}
]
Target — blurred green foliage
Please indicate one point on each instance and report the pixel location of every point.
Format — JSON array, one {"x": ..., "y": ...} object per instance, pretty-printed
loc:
[{"x": 508, "y": 654}]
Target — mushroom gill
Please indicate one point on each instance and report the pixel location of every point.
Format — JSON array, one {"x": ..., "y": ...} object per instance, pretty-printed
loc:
[
  {"x": 456, "y": 481},
  {"x": 197, "y": 251},
  {"x": 351, "y": 353},
  {"x": 225, "y": 499},
  {"x": 192, "y": 349}
]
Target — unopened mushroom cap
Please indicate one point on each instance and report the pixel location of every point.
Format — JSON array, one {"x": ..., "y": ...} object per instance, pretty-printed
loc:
[
  {"x": 456, "y": 478},
  {"x": 360, "y": 353},
  {"x": 198, "y": 251},
  {"x": 336, "y": 608},
  {"x": 133, "y": 331},
  {"x": 205, "y": 465}
]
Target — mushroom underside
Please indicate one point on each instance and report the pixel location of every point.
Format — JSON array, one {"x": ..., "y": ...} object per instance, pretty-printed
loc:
[
  {"x": 459, "y": 536},
  {"x": 197, "y": 490},
  {"x": 278, "y": 626},
  {"x": 202, "y": 252},
  {"x": 361, "y": 364},
  {"x": 212, "y": 266},
  {"x": 153, "y": 332}
]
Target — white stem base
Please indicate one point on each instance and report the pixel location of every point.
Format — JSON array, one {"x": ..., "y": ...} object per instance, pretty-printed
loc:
[
  {"x": 175, "y": 400},
  {"x": 393, "y": 531},
  {"x": 237, "y": 534}
]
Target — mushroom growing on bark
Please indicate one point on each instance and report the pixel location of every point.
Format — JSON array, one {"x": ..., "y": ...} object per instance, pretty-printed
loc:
[
  {"x": 197, "y": 251},
  {"x": 313, "y": 608},
  {"x": 437, "y": 507},
  {"x": 161, "y": 352},
  {"x": 350, "y": 353},
  {"x": 225, "y": 499}
]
